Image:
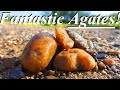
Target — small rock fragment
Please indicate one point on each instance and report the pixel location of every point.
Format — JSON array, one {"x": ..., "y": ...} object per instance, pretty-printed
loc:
[
  {"x": 117, "y": 76},
  {"x": 63, "y": 74},
  {"x": 101, "y": 56},
  {"x": 109, "y": 61},
  {"x": 116, "y": 59},
  {"x": 39, "y": 73},
  {"x": 111, "y": 72},
  {"x": 114, "y": 69},
  {"x": 51, "y": 77},
  {"x": 101, "y": 65},
  {"x": 116, "y": 45},
  {"x": 80, "y": 42},
  {"x": 104, "y": 72},
  {"x": 49, "y": 72}
]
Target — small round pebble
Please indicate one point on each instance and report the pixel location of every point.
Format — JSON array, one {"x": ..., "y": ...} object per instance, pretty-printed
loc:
[
  {"x": 119, "y": 56},
  {"x": 39, "y": 73},
  {"x": 49, "y": 72},
  {"x": 109, "y": 61},
  {"x": 116, "y": 59},
  {"x": 64, "y": 74},
  {"x": 111, "y": 72},
  {"x": 101, "y": 65},
  {"x": 104, "y": 72}
]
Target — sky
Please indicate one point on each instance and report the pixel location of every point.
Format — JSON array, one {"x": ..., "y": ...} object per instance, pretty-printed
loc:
[
  {"x": 35, "y": 13},
  {"x": 104, "y": 12}
]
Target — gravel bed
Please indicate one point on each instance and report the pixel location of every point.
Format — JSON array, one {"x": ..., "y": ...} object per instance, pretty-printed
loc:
[{"x": 14, "y": 38}]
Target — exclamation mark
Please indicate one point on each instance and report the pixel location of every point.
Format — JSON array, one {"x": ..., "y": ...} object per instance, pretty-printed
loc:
[{"x": 118, "y": 17}]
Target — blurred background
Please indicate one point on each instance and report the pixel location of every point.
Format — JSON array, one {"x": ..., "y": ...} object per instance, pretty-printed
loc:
[{"x": 40, "y": 13}]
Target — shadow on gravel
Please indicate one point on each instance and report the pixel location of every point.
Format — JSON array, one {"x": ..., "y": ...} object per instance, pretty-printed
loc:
[{"x": 10, "y": 68}]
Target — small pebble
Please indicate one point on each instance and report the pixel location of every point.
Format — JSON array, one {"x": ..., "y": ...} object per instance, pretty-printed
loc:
[
  {"x": 63, "y": 74},
  {"x": 118, "y": 67},
  {"x": 111, "y": 72},
  {"x": 61, "y": 77},
  {"x": 118, "y": 72},
  {"x": 26, "y": 77},
  {"x": 116, "y": 59},
  {"x": 116, "y": 76},
  {"x": 42, "y": 77},
  {"x": 49, "y": 72},
  {"x": 109, "y": 76},
  {"x": 101, "y": 65},
  {"x": 39, "y": 73},
  {"x": 51, "y": 77},
  {"x": 119, "y": 56},
  {"x": 114, "y": 69},
  {"x": 109, "y": 61},
  {"x": 101, "y": 56},
  {"x": 36, "y": 78},
  {"x": 116, "y": 45},
  {"x": 104, "y": 72},
  {"x": 107, "y": 71},
  {"x": 32, "y": 77}
]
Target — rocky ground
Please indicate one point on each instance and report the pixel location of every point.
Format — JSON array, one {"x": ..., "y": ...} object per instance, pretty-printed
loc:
[{"x": 14, "y": 38}]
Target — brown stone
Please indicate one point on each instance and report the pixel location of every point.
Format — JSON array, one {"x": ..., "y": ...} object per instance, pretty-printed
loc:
[
  {"x": 63, "y": 39},
  {"x": 73, "y": 60},
  {"x": 109, "y": 61},
  {"x": 101, "y": 65},
  {"x": 38, "y": 52}
]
